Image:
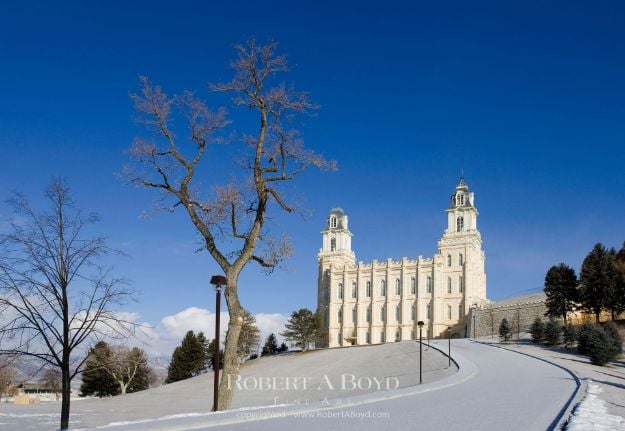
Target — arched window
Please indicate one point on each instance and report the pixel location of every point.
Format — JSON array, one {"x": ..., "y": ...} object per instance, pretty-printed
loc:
[
  {"x": 354, "y": 315},
  {"x": 340, "y": 291},
  {"x": 448, "y": 284},
  {"x": 413, "y": 312},
  {"x": 397, "y": 314},
  {"x": 354, "y": 290},
  {"x": 461, "y": 284},
  {"x": 461, "y": 199},
  {"x": 382, "y": 338},
  {"x": 340, "y": 316},
  {"x": 333, "y": 222},
  {"x": 382, "y": 287},
  {"x": 429, "y": 284},
  {"x": 460, "y": 259},
  {"x": 368, "y": 314},
  {"x": 333, "y": 244},
  {"x": 368, "y": 338},
  {"x": 413, "y": 286},
  {"x": 397, "y": 336},
  {"x": 460, "y": 224},
  {"x": 449, "y": 260},
  {"x": 382, "y": 315},
  {"x": 429, "y": 311},
  {"x": 368, "y": 291},
  {"x": 397, "y": 287},
  {"x": 449, "y": 312}
]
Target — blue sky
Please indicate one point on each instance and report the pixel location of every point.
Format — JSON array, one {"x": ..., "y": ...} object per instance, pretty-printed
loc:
[{"x": 527, "y": 98}]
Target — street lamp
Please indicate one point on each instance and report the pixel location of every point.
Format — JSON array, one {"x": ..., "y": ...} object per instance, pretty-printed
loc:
[
  {"x": 474, "y": 324},
  {"x": 420, "y": 325},
  {"x": 219, "y": 281}
]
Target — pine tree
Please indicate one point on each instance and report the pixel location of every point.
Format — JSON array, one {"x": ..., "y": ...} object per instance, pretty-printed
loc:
[
  {"x": 301, "y": 328},
  {"x": 283, "y": 348},
  {"x": 603, "y": 347},
  {"x": 598, "y": 277},
  {"x": 613, "y": 335},
  {"x": 249, "y": 338},
  {"x": 271, "y": 346},
  {"x": 583, "y": 338},
  {"x": 619, "y": 293},
  {"x": 211, "y": 355},
  {"x": 537, "y": 329},
  {"x": 95, "y": 380},
  {"x": 561, "y": 290},
  {"x": 505, "y": 331},
  {"x": 570, "y": 335},
  {"x": 553, "y": 332},
  {"x": 189, "y": 359}
]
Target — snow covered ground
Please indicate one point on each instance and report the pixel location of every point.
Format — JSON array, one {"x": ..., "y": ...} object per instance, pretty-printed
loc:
[
  {"x": 316, "y": 376},
  {"x": 494, "y": 389}
]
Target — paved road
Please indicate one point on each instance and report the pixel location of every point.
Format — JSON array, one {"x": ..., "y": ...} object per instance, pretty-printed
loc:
[{"x": 496, "y": 390}]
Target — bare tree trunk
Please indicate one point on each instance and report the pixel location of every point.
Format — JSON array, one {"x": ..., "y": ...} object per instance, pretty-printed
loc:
[
  {"x": 230, "y": 359},
  {"x": 597, "y": 318},
  {"x": 65, "y": 390}
]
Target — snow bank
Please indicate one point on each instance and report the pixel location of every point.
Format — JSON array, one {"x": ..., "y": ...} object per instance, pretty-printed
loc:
[{"x": 592, "y": 413}]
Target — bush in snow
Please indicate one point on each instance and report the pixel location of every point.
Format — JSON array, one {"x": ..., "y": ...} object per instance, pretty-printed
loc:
[
  {"x": 553, "y": 332},
  {"x": 505, "y": 331},
  {"x": 537, "y": 330}
]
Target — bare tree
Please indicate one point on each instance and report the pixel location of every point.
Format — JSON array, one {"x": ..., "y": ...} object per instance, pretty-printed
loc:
[
  {"x": 127, "y": 366},
  {"x": 52, "y": 379},
  {"x": 230, "y": 218},
  {"x": 54, "y": 297},
  {"x": 8, "y": 371}
]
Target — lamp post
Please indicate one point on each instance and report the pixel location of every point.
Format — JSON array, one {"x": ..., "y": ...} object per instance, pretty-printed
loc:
[
  {"x": 449, "y": 345},
  {"x": 474, "y": 324},
  {"x": 219, "y": 281},
  {"x": 420, "y": 325}
]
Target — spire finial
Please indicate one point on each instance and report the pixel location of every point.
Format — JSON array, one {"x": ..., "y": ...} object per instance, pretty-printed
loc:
[{"x": 461, "y": 183}]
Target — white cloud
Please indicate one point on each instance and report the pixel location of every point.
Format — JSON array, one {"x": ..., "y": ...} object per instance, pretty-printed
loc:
[{"x": 160, "y": 340}]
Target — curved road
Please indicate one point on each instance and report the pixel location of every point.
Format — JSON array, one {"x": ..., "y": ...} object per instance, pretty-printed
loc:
[{"x": 496, "y": 389}]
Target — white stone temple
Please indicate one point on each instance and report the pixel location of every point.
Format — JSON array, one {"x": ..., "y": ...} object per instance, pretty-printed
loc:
[{"x": 379, "y": 302}]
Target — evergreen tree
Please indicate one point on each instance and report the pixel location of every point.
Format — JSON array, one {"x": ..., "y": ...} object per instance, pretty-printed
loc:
[
  {"x": 249, "y": 339},
  {"x": 205, "y": 343},
  {"x": 583, "y": 338},
  {"x": 189, "y": 359},
  {"x": 95, "y": 380},
  {"x": 598, "y": 279},
  {"x": 561, "y": 290},
  {"x": 570, "y": 335},
  {"x": 553, "y": 332},
  {"x": 283, "y": 348},
  {"x": 619, "y": 266},
  {"x": 505, "y": 331},
  {"x": 602, "y": 346},
  {"x": 271, "y": 346},
  {"x": 211, "y": 355},
  {"x": 613, "y": 335},
  {"x": 537, "y": 329},
  {"x": 301, "y": 328}
]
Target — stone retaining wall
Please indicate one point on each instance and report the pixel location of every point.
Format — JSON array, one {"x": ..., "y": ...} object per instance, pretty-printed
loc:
[{"x": 487, "y": 319}]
